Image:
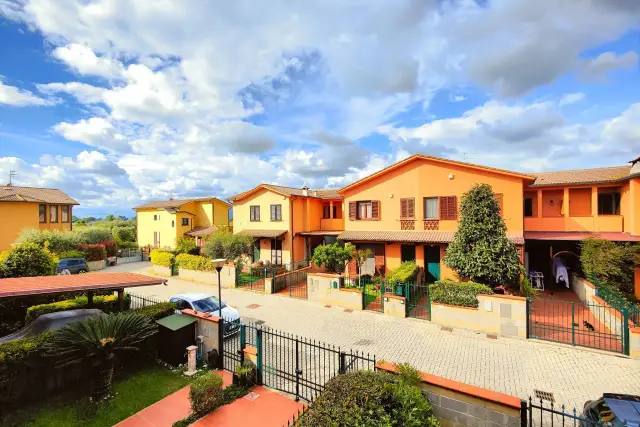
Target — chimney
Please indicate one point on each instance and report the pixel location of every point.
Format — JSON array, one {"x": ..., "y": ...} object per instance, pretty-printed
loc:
[
  {"x": 305, "y": 191},
  {"x": 635, "y": 166},
  {"x": 9, "y": 185},
  {"x": 315, "y": 193}
]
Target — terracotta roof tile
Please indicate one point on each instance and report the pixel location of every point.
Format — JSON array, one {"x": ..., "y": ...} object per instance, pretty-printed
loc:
[
  {"x": 201, "y": 231},
  {"x": 269, "y": 234},
  {"x": 582, "y": 176},
  {"x": 290, "y": 191},
  {"x": 35, "y": 195},
  {"x": 174, "y": 203},
  {"x": 411, "y": 236}
]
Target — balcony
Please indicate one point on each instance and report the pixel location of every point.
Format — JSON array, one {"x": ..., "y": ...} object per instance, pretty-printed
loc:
[{"x": 332, "y": 224}]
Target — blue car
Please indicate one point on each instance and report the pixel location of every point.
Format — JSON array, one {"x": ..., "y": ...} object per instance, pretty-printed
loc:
[{"x": 72, "y": 266}]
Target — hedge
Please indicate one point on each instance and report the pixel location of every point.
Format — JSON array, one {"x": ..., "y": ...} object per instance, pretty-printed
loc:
[
  {"x": 110, "y": 247},
  {"x": 27, "y": 260},
  {"x": 194, "y": 262},
  {"x": 206, "y": 393},
  {"x": 74, "y": 253},
  {"x": 157, "y": 311},
  {"x": 369, "y": 398},
  {"x": 23, "y": 349},
  {"x": 405, "y": 273},
  {"x": 162, "y": 258},
  {"x": 95, "y": 252},
  {"x": 462, "y": 294},
  {"x": 108, "y": 304}
]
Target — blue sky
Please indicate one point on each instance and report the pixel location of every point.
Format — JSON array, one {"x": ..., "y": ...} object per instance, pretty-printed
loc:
[{"x": 120, "y": 102}]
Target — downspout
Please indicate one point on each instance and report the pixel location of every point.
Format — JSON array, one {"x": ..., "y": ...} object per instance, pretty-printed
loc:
[
  {"x": 291, "y": 200},
  {"x": 228, "y": 220}
]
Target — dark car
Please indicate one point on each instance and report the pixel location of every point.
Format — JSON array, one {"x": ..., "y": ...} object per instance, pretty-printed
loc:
[
  {"x": 613, "y": 409},
  {"x": 51, "y": 322},
  {"x": 72, "y": 266}
]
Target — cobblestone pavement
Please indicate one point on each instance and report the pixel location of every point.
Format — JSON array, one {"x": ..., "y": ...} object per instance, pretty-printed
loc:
[{"x": 508, "y": 365}]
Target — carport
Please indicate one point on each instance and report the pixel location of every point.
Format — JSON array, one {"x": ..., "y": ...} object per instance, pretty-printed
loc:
[{"x": 89, "y": 283}]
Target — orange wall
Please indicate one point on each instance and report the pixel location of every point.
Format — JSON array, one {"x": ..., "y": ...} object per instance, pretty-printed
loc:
[
  {"x": 424, "y": 178},
  {"x": 580, "y": 202},
  {"x": 16, "y": 216},
  {"x": 534, "y": 201},
  {"x": 632, "y": 220},
  {"x": 394, "y": 257},
  {"x": 549, "y": 198},
  {"x": 264, "y": 199}
]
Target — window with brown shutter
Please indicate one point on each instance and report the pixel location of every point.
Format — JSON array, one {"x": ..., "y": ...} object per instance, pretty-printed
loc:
[
  {"x": 353, "y": 210},
  {"x": 499, "y": 198},
  {"x": 448, "y": 207},
  {"x": 375, "y": 209},
  {"x": 407, "y": 208}
]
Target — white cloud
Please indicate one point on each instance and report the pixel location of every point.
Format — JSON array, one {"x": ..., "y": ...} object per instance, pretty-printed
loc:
[
  {"x": 11, "y": 95},
  {"x": 85, "y": 61},
  {"x": 603, "y": 64},
  {"x": 96, "y": 132},
  {"x": 84, "y": 93}
]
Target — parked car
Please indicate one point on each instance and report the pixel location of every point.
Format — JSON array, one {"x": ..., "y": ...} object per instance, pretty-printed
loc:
[
  {"x": 613, "y": 409},
  {"x": 51, "y": 322},
  {"x": 207, "y": 303},
  {"x": 72, "y": 266}
]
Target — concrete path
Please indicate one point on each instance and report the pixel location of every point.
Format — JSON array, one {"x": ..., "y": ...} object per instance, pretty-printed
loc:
[{"x": 507, "y": 365}]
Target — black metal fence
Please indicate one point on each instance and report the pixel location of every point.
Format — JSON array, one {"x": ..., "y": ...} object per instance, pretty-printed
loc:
[
  {"x": 138, "y": 301},
  {"x": 289, "y": 363},
  {"x": 539, "y": 414},
  {"x": 293, "y": 284}
]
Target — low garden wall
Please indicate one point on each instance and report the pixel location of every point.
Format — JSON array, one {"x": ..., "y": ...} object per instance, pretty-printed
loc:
[
  {"x": 96, "y": 265},
  {"x": 159, "y": 270},
  {"x": 325, "y": 289},
  {"x": 128, "y": 259},
  {"x": 634, "y": 343},
  {"x": 602, "y": 311},
  {"x": 227, "y": 276},
  {"x": 458, "y": 404},
  {"x": 497, "y": 314},
  {"x": 395, "y": 306},
  {"x": 207, "y": 327}
]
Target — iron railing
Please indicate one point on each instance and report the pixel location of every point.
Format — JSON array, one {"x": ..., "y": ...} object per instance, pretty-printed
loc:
[
  {"x": 126, "y": 255},
  {"x": 418, "y": 300},
  {"x": 296, "y": 365},
  {"x": 293, "y": 284},
  {"x": 138, "y": 301},
  {"x": 619, "y": 303},
  {"x": 537, "y": 414}
]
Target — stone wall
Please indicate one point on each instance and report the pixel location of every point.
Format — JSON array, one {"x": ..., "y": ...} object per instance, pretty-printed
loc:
[
  {"x": 325, "y": 289},
  {"x": 96, "y": 265},
  {"x": 497, "y": 314},
  {"x": 207, "y": 327},
  {"x": 227, "y": 276}
]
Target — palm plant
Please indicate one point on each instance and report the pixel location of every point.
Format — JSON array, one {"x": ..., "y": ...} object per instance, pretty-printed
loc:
[{"x": 97, "y": 341}]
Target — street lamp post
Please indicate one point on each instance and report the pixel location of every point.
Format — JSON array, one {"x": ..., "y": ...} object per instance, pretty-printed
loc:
[{"x": 218, "y": 263}]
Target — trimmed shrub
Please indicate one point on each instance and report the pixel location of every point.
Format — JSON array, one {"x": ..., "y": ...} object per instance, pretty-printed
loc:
[
  {"x": 27, "y": 260},
  {"x": 368, "y": 398},
  {"x": 106, "y": 303},
  {"x": 462, "y": 294},
  {"x": 187, "y": 245},
  {"x": 157, "y": 311},
  {"x": 195, "y": 262},
  {"x": 405, "y": 273},
  {"x": 110, "y": 247},
  {"x": 228, "y": 246},
  {"x": 610, "y": 263},
  {"x": 206, "y": 393},
  {"x": 95, "y": 252},
  {"x": 333, "y": 257},
  {"x": 162, "y": 258},
  {"x": 20, "y": 350},
  {"x": 74, "y": 253}
]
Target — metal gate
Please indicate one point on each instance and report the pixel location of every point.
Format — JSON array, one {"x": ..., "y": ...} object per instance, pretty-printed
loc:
[
  {"x": 418, "y": 301},
  {"x": 372, "y": 293},
  {"x": 252, "y": 278},
  {"x": 293, "y": 284},
  {"x": 579, "y": 323}
]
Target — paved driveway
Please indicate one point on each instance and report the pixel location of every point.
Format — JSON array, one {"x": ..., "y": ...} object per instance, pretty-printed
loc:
[{"x": 508, "y": 365}]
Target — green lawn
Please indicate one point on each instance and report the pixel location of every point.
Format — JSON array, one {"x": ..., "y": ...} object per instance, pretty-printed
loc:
[{"x": 133, "y": 393}]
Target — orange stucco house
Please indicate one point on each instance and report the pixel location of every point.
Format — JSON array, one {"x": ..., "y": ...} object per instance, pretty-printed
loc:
[{"x": 409, "y": 211}]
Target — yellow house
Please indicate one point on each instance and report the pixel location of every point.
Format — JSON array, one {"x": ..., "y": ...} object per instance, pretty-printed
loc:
[
  {"x": 29, "y": 207},
  {"x": 287, "y": 223},
  {"x": 161, "y": 223}
]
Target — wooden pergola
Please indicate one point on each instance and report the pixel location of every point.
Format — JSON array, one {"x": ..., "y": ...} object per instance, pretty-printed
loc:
[{"x": 89, "y": 283}]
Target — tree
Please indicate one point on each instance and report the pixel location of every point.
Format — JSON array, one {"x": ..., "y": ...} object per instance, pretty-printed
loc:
[
  {"x": 333, "y": 257},
  {"x": 228, "y": 246},
  {"x": 610, "y": 263},
  {"x": 97, "y": 341},
  {"x": 109, "y": 217},
  {"x": 28, "y": 260},
  {"x": 360, "y": 256},
  {"x": 480, "y": 250}
]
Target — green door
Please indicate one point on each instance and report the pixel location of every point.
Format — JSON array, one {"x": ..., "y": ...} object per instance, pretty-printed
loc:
[
  {"x": 256, "y": 250},
  {"x": 432, "y": 261}
]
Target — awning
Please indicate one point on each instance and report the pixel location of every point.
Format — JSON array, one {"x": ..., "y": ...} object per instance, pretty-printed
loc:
[
  {"x": 411, "y": 236},
  {"x": 201, "y": 231},
  {"x": 319, "y": 233},
  {"x": 263, "y": 234},
  {"x": 579, "y": 235},
  {"x": 41, "y": 285}
]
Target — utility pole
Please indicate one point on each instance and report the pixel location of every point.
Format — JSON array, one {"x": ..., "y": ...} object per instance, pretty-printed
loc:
[{"x": 12, "y": 174}]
